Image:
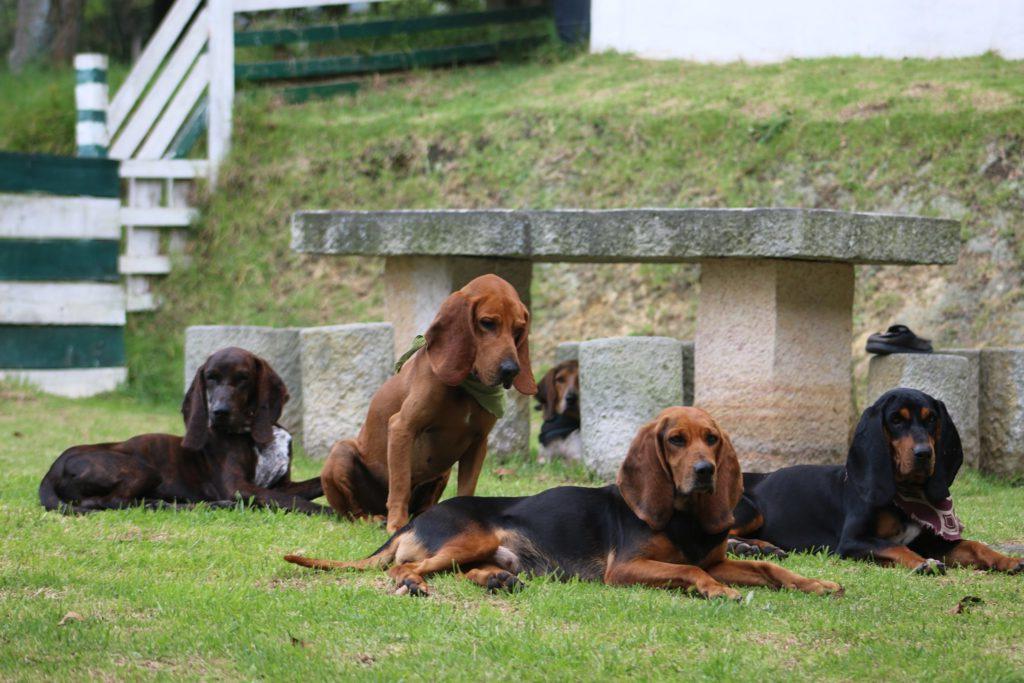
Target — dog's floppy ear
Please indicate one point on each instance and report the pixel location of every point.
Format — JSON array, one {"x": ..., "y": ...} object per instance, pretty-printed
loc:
[
  {"x": 451, "y": 340},
  {"x": 949, "y": 455},
  {"x": 546, "y": 394},
  {"x": 644, "y": 480},
  {"x": 193, "y": 409},
  {"x": 715, "y": 510},
  {"x": 869, "y": 462},
  {"x": 271, "y": 395},
  {"x": 524, "y": 382}
]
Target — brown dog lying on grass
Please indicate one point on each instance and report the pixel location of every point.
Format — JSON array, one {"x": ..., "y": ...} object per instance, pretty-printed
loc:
[
  {"x": 432, "y": 414},
  {"x": 232, "y": 448},
  {"x": 665, "y": 525}
]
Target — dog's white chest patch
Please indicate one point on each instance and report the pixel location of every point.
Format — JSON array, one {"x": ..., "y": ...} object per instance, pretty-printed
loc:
[
  {"x": 910, "y": 531},
  {"x": 273, "y": 459}
]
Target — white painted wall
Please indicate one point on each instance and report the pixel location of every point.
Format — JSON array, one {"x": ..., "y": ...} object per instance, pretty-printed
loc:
[{"x": 758, "y": 31}]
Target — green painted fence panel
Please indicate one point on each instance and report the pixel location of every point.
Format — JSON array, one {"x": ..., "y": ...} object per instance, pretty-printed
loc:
[
  {"x": 305, "y": 93},
  {"x": 44, "y": 347},
  {"x": 71, "y": 176},
  {"x": 380, "y": 29},
  {"x": 51, "y": 260},
  {"x": 395, "y": 61}
]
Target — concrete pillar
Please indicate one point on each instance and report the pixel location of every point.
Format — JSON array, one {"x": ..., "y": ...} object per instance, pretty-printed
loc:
[
  {"x": 343, "y": 366},
  {"x": 415, "y": 287},
  {"x": 772, "y": 358},
  {"x": 569, "y": 350},
  {"x": 624, "y": 383}
]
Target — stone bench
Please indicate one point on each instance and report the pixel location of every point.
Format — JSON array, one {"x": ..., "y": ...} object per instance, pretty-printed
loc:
[{"x": 774, "y": 319}]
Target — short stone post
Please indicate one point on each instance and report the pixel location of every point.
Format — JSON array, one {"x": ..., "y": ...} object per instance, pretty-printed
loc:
[
  {"x": 343, "y": 366},
  {"x": 942, "y": 376},
  {"x": 91, "y": 102},
  {"x": 1001, "y": 410},
  {"x": 277, "y": 346},
  {"x": 414, "y": 289},
  {"x": 772, "y": 358},
  {"x": 624, "y": 383},
  {"x": 567, "y": 351},
  {"x": 969, "y": 434}
]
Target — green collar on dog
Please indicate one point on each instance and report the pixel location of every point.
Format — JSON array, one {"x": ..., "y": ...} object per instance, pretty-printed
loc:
[{"x": 491, "y": 399}]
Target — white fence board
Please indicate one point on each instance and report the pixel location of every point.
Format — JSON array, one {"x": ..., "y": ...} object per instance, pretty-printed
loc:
[
  {"x": 158, "y": 217},
  {"x": 59, "y": 303},
  {"x": 141, "y": 121},
  {"x": 164, "y": 168},
  {"x": 149, "y": 61},
  {"x": 40, "y": 217},
  {"x": 144, "y": 265},
  {"x": 70, "y": 382},
  {"x": 178, "y": 110}
]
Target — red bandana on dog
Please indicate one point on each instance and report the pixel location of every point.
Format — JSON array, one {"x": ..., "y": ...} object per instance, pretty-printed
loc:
[{"x": 940, "y": 518}]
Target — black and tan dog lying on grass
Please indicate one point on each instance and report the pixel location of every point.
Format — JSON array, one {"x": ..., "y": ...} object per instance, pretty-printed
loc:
[
  {"x": 890, "y": 503},
  {"x": 664, "y": 525},
  {"x": 233, "y": 448}
]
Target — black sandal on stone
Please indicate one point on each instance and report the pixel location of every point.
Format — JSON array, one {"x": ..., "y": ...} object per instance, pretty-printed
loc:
[{"x": 897, "y": 339}]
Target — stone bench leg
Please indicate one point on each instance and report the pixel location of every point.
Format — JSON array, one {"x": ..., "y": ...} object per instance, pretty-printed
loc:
[
  {"x": 944, "y": 376},
  {"x": 414, "y": 289},
  {"x": 571, "y": 351},
  {"x": 624, "y": 383},
  {"x": 343, "y": 366},
  {"x": 278, "y": 346},
  {"x": 772, "y": 361}
]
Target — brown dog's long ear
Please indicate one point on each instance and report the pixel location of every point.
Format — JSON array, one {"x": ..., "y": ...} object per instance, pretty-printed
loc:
[
  {"x": 546, "y": 394},
  {"x": 451, "y": 340},
  {"x": 271, "y": 395},
  {"x": 193, "y": 409},
  {"x": 644, "y": 479},
  {"x": 715, "y": 509},
  {"x": 524, "y": 382}
]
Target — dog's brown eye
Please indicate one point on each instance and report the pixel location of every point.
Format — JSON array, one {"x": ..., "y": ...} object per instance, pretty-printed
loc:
[
  {"x": 677, "y": 440},
  {"x": 711, "y": 439},
  {"x": 488, "y": 324}
]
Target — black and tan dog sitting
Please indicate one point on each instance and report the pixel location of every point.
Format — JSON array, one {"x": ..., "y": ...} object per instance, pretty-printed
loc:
[
  {"x": 890, "y": 503},
  {"x": 233, "y": 448},
  {"x": 558, "y": 395},
  {"x": 664, "y": 525}
]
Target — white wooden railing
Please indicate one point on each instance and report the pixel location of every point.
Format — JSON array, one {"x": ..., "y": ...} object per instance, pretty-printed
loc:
[{"x": 192, "y": 53}]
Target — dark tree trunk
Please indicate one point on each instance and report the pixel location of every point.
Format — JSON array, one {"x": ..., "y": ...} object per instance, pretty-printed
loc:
[{"x": 46, "y": 28}]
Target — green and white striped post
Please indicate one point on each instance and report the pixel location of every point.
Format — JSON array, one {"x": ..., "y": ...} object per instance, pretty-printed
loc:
[{"x": 91, "y": 103}]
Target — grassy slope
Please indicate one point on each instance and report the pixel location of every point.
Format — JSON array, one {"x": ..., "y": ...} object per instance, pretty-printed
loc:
[
  {"x": 205, "y": 595},
  {"x": 611, "y": 131}
]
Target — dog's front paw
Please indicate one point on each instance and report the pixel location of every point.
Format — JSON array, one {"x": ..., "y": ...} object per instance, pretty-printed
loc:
[
  {"x": 930, "y": 567},
  {"x": 819, "y": 587},
  {"x": 716, "y": 590},
  {"x": 744, "y": 548},
  {"x": 504, "y": 581},
  {"x": 1010, "y": 565},
  {"x": 413, "y": 587}
]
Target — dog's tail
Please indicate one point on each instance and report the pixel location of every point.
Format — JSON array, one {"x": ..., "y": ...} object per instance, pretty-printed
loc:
[{"x": 380, "y": 559}]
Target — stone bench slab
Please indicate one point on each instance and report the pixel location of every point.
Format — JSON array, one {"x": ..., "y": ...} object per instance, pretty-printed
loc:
[{"x": 631, "y": 235}]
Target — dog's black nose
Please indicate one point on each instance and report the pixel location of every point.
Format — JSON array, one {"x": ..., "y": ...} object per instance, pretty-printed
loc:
[
  {"x": 922, "y": 451},
  {"x": 507, "y": 371},
  {"x": 221, "y": 412},
  {"x": 572, "y": 398},
  {"x": 703, "y": 470}
]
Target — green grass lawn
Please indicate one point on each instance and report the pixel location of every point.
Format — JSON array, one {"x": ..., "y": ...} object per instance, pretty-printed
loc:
[{"x": 204, "y": 594}]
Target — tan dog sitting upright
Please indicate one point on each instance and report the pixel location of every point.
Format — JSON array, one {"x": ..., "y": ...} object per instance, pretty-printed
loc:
[{"x": 425, "y": 418}]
